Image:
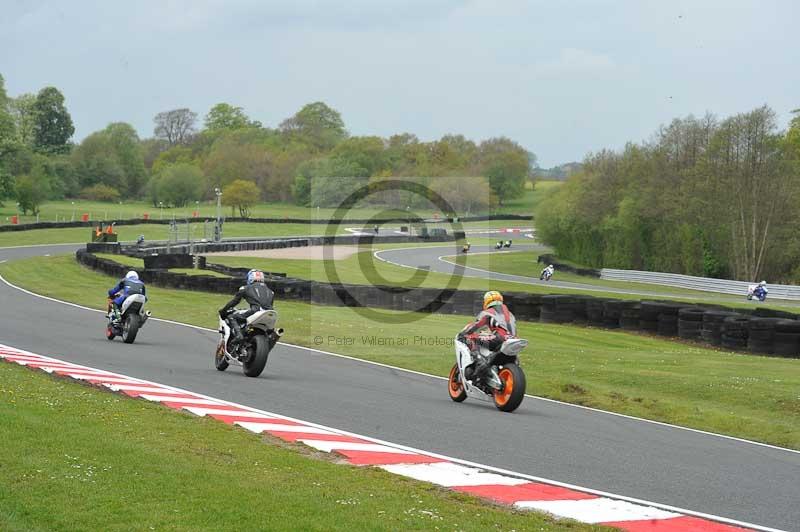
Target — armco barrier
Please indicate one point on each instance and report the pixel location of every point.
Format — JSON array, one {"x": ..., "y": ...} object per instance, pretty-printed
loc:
[
  {"x": 706, "y": 284},
  {"x": 778, "y": 336}
]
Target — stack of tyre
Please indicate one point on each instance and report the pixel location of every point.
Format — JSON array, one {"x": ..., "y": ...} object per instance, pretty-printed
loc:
[
  {"x": 612, "y": 312},
  {"x": 711, "y": 329},
  {"x": 786, "y": 342},
  {"x": 734, "y": 332},
  {"x": 690, "y": 322},
  {"x": 648, "y": 316},
  {"x": 630, "y": 316},
  {"x": 557, "y": 309},
  {"x": 594, "y": 310},
  {"x": 761, "y": 335}
]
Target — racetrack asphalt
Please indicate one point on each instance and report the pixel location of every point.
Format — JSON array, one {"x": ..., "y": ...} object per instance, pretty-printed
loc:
[{"x": 687, "y": 469}]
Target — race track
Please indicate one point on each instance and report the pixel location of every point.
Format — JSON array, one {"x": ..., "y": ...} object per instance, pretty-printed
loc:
[{"x": 701, "y": 472}]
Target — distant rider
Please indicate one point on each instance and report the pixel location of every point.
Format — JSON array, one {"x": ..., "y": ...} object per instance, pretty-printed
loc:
[
  {"x": 758, "y": 291},
  {"x": 547, "y": 273},
  {"x": 130, "y": 284},
  {"x": 495, "y": 317},
  {"x": 466, "y": 247},
  {"x": 257, "y": 295}
]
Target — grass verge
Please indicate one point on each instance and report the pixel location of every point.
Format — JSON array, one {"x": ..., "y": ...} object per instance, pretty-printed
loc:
[
  {"x": 740, "y": 395},
  {"x": 116, "y": 463}
]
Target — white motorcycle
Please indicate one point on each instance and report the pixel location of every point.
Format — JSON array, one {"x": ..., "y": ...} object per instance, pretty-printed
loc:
[
  {"x": 260, "y": 336},
  {"x": 128, "y": 319},
  {"x": 502, "y": 382}
]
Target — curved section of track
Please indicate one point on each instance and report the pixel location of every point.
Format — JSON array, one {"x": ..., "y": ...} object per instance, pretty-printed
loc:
[
  {"x": 432, "y": 259},
  {"x": 669, "y": 465}
]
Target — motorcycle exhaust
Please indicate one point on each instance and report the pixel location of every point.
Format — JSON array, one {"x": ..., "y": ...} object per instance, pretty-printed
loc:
[
  {"x": 279, "y": 332},
  {"x": 147, "y": 314}
]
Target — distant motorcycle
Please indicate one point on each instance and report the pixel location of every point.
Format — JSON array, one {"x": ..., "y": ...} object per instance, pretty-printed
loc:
[
  {"x": 260, "y": 336},
  {"x": 466, "y": 248},
  {"x": 499, "y": 245},
  {"x": 502, "y": 382},
  {"x": 507, "y": 244},
  {"x": 126, "y": 320},
  {"x": 546, "y": 274},
  {"x": 758, "y": 292}
]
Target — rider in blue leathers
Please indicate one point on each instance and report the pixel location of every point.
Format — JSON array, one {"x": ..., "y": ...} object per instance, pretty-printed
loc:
[{"x": 130, "y": 284}]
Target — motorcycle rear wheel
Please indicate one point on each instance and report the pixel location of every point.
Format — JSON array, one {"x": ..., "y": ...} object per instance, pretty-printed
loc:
[
  {"x": 513, "y": 388},
  {"x": 454, "y": 386},
  {"x": 130, "y": 328},
  {"x": 259, "y": 352}
]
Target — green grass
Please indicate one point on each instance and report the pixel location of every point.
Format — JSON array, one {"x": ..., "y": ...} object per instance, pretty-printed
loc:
[
  {"x": 159, "y": 232},
  {"x": 740, "y": 395},
  {"x": 79, "y": 458},
  {"x": 65, "y": 210}
]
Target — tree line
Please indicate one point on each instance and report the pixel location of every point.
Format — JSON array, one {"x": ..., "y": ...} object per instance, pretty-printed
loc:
[
  {"x": 706, "y": 196},
  {"x": 309, "y": 159}
]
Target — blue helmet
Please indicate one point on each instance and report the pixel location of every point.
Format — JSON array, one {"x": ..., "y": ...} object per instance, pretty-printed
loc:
[{"x": 255, "y": 276}]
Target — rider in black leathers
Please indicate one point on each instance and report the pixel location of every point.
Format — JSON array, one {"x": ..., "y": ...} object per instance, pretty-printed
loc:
[{"x": 257, "y": 295}]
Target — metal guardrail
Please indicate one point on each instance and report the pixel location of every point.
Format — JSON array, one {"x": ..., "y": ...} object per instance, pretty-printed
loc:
[{"x": 705, "y": 284}]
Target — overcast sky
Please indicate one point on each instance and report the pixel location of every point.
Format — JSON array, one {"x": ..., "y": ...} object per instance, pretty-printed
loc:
[{"x": 560, "y": 77}]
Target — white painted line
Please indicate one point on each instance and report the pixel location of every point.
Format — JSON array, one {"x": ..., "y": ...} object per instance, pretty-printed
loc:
[
  {"x": 133, "y": 388},
  {"x": 254, "y": 412},
  {"x": 329, "y": 446},
  {"x": 244, "y": 412},
  {"x": 600, "y": 510},
  {"x": 182, "y": 400},
  {"x": 258, "y": 427},
  {"x": 438, "y": 377},
  {"x": 449, "y": 474},
  {"x": 103, "y": 378}
]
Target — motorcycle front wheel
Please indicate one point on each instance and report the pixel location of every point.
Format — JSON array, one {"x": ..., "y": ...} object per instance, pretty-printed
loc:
[
  {"x": 258, "y": 352},
  {"x": 220, "y": 362},
  {"x": 454, "y": 385},
  {"x": 513, "y": 379}
]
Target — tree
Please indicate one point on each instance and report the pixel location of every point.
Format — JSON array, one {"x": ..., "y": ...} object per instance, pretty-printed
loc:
[
  {"x": 365, "y": 152},
  {"x": 505, "y": 163},
  {"x": 112, "y": 157},
  {"x": 179, "y": 184},
  {"x": 225, "y": 116},
  {"x": 242, "y": 195},
  {"x": 52, "y": 127},
  {"x": 24, "y": 112},
  {"x": 465, "y": 195},
  {"x": 7, "y": 126},
  {"x": 31, "y": 191},
  {"x": 175, "y": 126},
  {"x": 316, "y": 124},
  {"x": 100, "y": 192}
]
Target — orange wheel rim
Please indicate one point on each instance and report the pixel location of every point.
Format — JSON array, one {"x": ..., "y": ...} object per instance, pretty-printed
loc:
[
  {"x": 455, "y": 386},
  {"x": 508, "y": 386}
]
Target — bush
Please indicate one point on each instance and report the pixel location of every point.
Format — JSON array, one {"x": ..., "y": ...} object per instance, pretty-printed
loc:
[{"x": 100, "y": 192}]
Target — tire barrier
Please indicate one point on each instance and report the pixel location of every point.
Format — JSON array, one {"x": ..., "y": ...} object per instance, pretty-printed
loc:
[
  {"x": 550, "y": 259},
  {"x": 711, "y": 329},
  {"x": 690, "y": 322},
  {"x": 770, "y": 335},
  {"x": 734, "y": 332},
  {"x": 307, "y": 221}
]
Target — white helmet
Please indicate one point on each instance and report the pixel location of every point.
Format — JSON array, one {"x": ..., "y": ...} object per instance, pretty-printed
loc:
[
  {"x": 763, "y": 283},
  {"x": 132, "y": 276}
]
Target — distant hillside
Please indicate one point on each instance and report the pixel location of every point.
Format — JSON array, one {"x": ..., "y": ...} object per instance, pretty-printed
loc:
[{"x": 560, "y": 172}]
